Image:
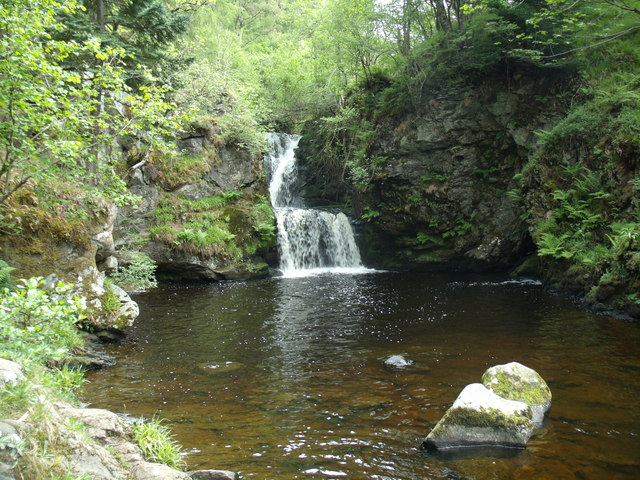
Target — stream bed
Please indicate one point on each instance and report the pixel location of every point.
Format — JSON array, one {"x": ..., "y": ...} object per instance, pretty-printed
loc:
[{"x": 284, "y": 378}]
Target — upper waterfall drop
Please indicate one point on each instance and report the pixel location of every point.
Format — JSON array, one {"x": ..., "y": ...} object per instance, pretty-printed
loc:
[{"x": 310, "y": 240}]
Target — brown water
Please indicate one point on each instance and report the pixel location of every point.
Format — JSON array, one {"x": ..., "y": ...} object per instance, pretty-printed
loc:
[{"x": 283, "y": 379}]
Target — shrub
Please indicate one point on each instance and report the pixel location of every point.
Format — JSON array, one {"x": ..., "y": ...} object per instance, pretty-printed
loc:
[
  {"x": 6, "y": 280},
  {"x": 38, "y": 325},
  {"x": 139, "y": 274}
]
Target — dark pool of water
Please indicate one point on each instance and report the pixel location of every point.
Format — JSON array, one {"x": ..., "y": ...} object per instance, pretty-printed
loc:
[{"x": 284, "y": 379}]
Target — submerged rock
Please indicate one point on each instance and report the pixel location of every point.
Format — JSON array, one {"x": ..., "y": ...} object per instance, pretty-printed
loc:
[
  {"x": 397, "y": 361},
  {"x": 479, "y": 417},
  {"x": 212, "y": 475},
  {"x": 156, "y": 471},
  {"x": 88, "y": 358},
  {"x": 219, "y": 368},
  {"x": 514, "y": 381}
]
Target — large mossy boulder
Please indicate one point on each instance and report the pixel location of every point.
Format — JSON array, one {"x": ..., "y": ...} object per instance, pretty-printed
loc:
[
  {"x": 479, "y": 417},
  {"x": 514, "y": 381},
  {"x": 110, "y": 308}
]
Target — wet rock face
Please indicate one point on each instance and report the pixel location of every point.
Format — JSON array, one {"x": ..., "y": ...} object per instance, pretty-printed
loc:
[
  {"x": 442, "y": 196},
  {"x": 439, "y": 195}
]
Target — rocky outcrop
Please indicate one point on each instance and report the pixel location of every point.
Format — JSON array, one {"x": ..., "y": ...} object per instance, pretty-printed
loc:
[
  {"x": 96, "y": 443},
  {"x": 441, "y": 196},
  {"x": 114, "y": 455},
  {"x": 10, "y": 372},
  {"x": 42, "y": 252},
  {"x": 434, "y": 182},
  {"x": 502, "y": 412},
  {"x": 173, "y": 223},
  {"x": 110, "y": 307}
]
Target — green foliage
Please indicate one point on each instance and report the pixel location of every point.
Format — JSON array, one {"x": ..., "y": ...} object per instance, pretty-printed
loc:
[
  {"x": 66, "y": 381},
  {"x": 461, "y": 228},
  {"x": 425, "y": 239},
  {"x": 138, "y": 274},
  {"x": 219, "y": 98},
  {"x": 369, "y": 215},
  {"x": 264, "y": 222},
  {"x": 228, "y": 225},
  {"x": 6, "y": 280},
  {"x": 60, "y": 122},
  {"x": 110, "y": 300},
  {"x": 36, "y": 325},
  {"x": 205, "y": 238},
  {"x": 436, "y": 177},
  {"x": 157, "y": 443},
  {"x": 176, "y": 170},
  {"x": 141, "y": 28}
]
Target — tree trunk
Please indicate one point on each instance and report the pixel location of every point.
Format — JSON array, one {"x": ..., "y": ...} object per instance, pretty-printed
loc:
[{"x": 94, "y": 158}]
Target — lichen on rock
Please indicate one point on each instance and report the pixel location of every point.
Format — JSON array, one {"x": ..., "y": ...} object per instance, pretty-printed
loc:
[
  {"x": 515, "y": 381},
  {"x": 479, "y": 417},
  {"x": 110, "y": 307}
]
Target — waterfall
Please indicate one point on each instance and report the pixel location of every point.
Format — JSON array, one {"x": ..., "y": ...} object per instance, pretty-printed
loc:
[{"x": 310, "y": 240}]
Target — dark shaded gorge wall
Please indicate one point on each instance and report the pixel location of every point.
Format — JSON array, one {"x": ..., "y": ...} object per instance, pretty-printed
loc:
[{"x": 439, "y": 194}]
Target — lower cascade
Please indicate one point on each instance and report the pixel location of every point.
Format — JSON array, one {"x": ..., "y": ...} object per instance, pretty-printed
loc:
[{"x": 309, "y": 239}]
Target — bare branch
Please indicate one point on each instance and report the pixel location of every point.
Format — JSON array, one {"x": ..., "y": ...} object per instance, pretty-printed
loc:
[
  {"x": 16, "y": 187},
  {"x": 621, "y": 4},
  {"x": 606, "y": 39}
]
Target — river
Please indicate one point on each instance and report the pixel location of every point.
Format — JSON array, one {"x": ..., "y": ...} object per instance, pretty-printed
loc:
[{"x": 284, "y": 378}]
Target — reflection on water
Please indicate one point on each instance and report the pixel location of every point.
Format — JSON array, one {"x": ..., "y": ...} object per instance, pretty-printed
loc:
[{"x": 285, "y": 379}]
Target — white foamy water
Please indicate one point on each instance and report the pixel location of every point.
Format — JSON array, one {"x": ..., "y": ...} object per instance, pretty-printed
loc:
[{"x": 310, "y": 241}]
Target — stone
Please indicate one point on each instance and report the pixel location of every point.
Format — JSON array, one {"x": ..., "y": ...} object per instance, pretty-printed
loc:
[
  {"x": 89, "y": 358},
  {"x": 109, "y": 264},
  {"x": 10, "y": 372},
  {"x": 9, "y": 449},
  {"x": 479, "y": 417},
  {"x": 397, "y": 361},
  {"x": 237, "y": 169},
  {"x": 213, "y": 475},
  {"x": 90, "y": 284},
  {"x": 97, "y": 466},
  {"x": 103, "y": 239},
  {"x": 156, "y": 471},
  {"x": 515, "y": 381},
  {"x": 101, "y": 423},
  {"x": 128, "y": 310}
]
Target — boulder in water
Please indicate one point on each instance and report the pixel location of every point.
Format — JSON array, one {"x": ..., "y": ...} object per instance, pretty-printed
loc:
[
  {"x": 211, "y": 474},
  {"x": 397, "y": 361},
  {"x": 514, "y": 381},
  {"x": 479, "y": 417}
]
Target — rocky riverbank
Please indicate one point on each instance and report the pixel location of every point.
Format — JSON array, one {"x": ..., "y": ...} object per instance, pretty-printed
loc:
[{"x": 92, "y": 442}]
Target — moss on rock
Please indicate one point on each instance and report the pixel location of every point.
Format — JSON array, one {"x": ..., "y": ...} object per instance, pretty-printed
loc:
[
  {"x": 515, "y": 381},
  {"x": 480, "y": 417}
]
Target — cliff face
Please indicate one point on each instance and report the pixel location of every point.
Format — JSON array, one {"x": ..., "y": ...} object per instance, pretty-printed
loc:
[
  {"x": 204, "y": 213},
  {"x": 480, "y": 177},
  {"x": 439, "y": 193}
]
